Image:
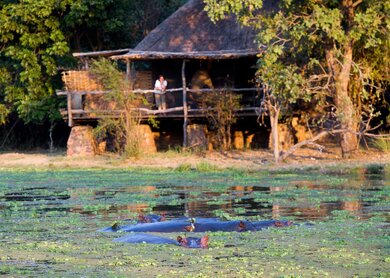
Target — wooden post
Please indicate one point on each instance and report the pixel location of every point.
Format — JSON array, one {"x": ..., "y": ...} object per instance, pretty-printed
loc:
[
  {"x": 130, "y": 75},
  {"x": 128, "y": 70},
  {"x": 69, "y": 100},
  {"x": 185, "y": 110},
  {"x": 86, "y": 64}
]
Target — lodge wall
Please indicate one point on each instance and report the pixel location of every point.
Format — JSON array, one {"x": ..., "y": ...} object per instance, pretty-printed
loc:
[{"x": 223, "y": 73}]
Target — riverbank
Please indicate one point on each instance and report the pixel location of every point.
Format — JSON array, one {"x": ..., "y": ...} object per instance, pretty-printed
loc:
[{"x": 249, "y": 160}]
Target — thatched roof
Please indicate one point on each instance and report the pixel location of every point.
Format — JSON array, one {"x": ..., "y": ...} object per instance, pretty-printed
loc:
[{"x": 189, "y": 33}]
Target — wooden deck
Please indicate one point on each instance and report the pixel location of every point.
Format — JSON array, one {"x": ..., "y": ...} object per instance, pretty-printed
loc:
[{"x": 248, "y": 109}]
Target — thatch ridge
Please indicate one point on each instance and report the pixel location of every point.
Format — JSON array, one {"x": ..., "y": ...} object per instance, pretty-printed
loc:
[
  {"x": 103, "y": 53},
  {"x": 203, "y": 55}
]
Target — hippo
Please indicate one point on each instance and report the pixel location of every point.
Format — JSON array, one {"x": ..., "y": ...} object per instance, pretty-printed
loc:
[
  {"x": 200, "y": 225},
  {"x": 155, "y": 223}
]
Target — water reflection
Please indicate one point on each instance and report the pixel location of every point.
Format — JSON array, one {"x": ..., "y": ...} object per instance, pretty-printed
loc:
[
  {"x": 361, "y": 195},
  {"x": 302, "y": 200}
]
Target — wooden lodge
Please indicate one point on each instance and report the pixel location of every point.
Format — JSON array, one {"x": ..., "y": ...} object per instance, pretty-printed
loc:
[{"x": 196, "y": 57}]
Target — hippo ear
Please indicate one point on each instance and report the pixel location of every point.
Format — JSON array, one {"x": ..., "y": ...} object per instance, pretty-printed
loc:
[
  {"x": 241, "y": 226},
  {"x": 204, "y": 242}
]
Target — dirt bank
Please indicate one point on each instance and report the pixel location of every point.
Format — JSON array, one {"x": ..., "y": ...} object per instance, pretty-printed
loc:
[{"x": 253, "y": 159}]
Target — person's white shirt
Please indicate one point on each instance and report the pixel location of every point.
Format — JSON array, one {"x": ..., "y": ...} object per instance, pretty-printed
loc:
[{"x": 160, "y": 87}]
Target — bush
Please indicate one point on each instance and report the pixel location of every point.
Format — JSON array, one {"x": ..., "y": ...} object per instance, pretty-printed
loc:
[
  {"x": 221, "y": 115},
  {"x": 122, "y": 127}
]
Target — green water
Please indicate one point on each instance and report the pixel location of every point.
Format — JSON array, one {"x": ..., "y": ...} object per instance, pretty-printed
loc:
[{"x": 49, "y": 221}]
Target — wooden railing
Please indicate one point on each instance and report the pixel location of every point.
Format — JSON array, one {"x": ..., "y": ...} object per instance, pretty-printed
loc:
[
  {"x": 71, "y": 111},
  {"x": 139, "y": 91}
]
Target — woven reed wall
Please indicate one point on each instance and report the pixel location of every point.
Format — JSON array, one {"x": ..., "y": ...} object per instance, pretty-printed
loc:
[{"x": 80, "y": 81}]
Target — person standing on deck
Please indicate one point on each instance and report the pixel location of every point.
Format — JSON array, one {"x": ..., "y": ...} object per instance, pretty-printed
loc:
[{"x": 159, "y": 92}]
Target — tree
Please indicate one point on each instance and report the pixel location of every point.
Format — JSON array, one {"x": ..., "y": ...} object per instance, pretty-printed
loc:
[
  {"x": 283, "y": 88},
  {"x": 340, "y": 48},
  {"x": 31, "y": 42},
  {"x": 111, "y": 24}
]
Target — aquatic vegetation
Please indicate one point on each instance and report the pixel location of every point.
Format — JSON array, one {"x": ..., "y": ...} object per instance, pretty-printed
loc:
[{"x": 49, "y": 221}]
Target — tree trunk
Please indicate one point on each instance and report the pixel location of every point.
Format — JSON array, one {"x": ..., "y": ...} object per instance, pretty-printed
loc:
[
  {"x": 345, "y": 107},
  {"x": 229, "y": 136},
  {"x": 51, "y": 145},
  {"x": 343, "y": 101},
  {"x": 274, "y": 115},
  {"x": 341, "y": 72}
]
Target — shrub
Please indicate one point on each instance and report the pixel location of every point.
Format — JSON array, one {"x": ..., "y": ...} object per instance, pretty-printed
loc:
[{"x": 121, "y": 125}]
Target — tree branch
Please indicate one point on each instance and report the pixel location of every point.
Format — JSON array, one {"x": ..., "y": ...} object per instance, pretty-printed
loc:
[
  {"x": 310, "y": 142},
  {"x": 381, "y": 136},
  {"x": 357, "y": 3}
]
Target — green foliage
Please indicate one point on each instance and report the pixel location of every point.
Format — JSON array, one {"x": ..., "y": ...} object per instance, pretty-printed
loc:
[
  {"x": 4, "y": 111},
  {"x": 284, "y": 81},
  {"x": 31, "y": 41},
  {"x": 219, "y": 9}
]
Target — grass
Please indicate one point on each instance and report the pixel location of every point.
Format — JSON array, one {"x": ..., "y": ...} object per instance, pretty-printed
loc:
[
  {"x": 204, "y": 166},
  {"x": 382, "y": 144}
]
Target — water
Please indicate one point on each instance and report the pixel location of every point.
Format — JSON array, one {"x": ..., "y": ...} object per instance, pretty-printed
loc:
[
  {"x": 49, "y": 222},
  {"x": 120, "y": 194}
]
